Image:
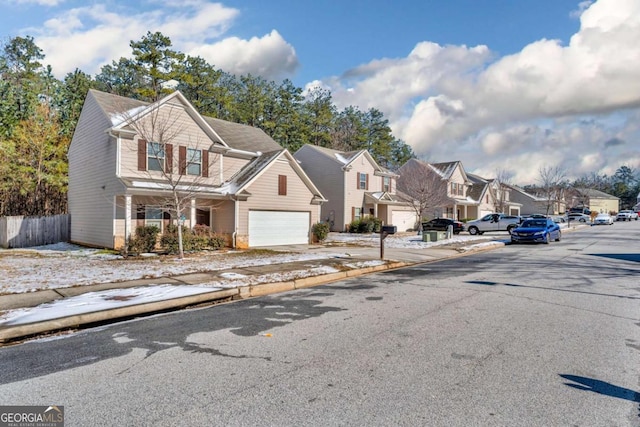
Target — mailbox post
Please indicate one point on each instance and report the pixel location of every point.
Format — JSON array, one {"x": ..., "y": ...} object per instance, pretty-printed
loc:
[{"x": 384, "y": 232}]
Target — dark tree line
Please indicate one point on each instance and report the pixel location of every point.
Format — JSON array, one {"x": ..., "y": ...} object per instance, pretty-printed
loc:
[{"x": 38, "y": 113}]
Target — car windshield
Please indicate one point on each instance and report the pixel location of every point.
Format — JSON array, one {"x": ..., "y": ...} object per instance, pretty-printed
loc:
[{"x": 533, "y": 223}]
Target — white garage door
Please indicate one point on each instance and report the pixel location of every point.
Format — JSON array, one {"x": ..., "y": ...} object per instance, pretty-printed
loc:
[
  {"x": 270, "y": 228},
  {"x": 403, "y": 220}
]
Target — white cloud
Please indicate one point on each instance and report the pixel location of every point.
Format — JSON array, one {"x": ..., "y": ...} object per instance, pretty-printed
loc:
[
  {"x": 39, "y": 2},
  {"x": 460, "y": 103},
  {"x": 90, "y": 37},
  {"x": 270, "y": 56}
]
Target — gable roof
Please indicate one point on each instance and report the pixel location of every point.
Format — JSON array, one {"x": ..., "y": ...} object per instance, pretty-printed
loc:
[
  {"x": 227, "y": 134},
  {"x": 479, "y": 187},
  {"x": 596, "y": 194},
  {"x": 243, "y": 137},
  {"x": 347, "y": 158},
  {"x": 447, "y": 169},
  {"x": 243, "y": 178}
]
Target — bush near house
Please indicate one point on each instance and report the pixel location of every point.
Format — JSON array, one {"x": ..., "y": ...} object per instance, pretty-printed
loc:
[
  {"x": 144, "y": 240},
  {"x": 367, "y": 224},
  {"x": 200, "y": 238},
  {"x": 320, "y": 230}
]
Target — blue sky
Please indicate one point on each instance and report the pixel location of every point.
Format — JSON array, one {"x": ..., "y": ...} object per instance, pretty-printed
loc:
[{"x": 502, "y": 85}]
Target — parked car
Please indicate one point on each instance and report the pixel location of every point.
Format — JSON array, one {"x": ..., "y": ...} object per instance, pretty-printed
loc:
[
  {"x": 580, "y": 209},
  {"x": 534, "y": 216},
  {"x": 626, "y": 215},
  {"x": 442, "y": 224},
  {"x": 493, "y": 222},
  {"x": 578, "y": 217},
  {"x": 536, "y": 230},
  {"x": 603, "y": 219},
  {"x": 559, "y": 218}
]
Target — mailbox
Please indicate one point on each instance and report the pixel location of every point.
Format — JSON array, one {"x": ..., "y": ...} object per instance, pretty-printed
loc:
[{"x": 389, "y": 229}]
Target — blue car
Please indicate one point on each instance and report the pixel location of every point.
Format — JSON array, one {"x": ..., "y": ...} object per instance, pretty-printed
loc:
[{"x": 536, "y": 230}]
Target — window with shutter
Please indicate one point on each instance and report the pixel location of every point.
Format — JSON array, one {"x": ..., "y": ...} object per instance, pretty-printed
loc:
[
  {"x": 363, "y": 181},
  {"x": 205, "y": 163},
  {"x": 194, "y": 162},
  {"x": 282, "y": 185},
  {"x": 182, "y": 160},
  {"x": 142, "y": 155},
  {"x": 155, "y": 156},
  {"x": 168, "y": 164}
]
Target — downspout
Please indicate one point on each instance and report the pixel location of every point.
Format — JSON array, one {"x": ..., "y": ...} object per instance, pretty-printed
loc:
[{"x": 236, "y": 216}]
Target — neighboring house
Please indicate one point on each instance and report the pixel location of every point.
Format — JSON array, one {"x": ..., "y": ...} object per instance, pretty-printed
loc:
[
  {"x": 535, "y": 204},
  {"x": 355, "y": 186},
  {"x": 463, "y": 195},
  {"x": 235, "y": 178},
  {"x": 471, "y": 196},
  {"x": 596, "y": 200},
  {"x": 491, "y": 196}
]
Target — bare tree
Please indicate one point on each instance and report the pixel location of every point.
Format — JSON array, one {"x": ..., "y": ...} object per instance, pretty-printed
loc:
[
  {"x": 421, "y": 186},
  {"x": 552, "y": 180},
  {"x": 158, "y": 132},
  {"x": 501, "y": 186}
]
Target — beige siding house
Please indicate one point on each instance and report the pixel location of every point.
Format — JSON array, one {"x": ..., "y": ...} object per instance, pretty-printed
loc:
[
  {"x": 596, "y": 200},
  {"x": 355, "y": 186},
  {"x": 127, "y": 158},
  {"x": 465, "y": 196}
]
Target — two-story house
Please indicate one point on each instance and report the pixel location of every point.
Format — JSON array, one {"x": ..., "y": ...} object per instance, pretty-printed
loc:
[
  {"x": 129, "y": 160},
  {"x": 462, "y": 195},
  {"x": 355, "y": 186}
]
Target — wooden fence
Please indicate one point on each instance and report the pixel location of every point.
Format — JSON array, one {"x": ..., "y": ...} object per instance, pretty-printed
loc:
[{"x": 24, "y": 232}]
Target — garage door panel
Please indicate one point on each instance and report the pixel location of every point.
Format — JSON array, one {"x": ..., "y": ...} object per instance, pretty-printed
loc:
[
  {"x": 270, "y": 228},
  {"x": 403, "y": 220}
]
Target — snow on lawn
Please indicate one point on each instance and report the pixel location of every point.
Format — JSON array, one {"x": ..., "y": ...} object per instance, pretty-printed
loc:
[
  {"x": 408, "y": 241},
  {"x": 64, "y": 265}
]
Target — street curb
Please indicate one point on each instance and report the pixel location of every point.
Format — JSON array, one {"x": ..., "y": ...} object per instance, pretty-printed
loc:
[
  {"x": 12, "y": 333},
  {"x": 20, "y": 331}
]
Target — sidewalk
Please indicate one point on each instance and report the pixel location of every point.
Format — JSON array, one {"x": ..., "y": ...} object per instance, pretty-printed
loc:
[{"x": 51, "y": 310}]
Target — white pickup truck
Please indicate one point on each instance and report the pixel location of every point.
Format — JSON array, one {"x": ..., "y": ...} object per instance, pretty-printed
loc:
[
  {"x": 626, "y": 215},
  {"x": 493, "y": 222}
]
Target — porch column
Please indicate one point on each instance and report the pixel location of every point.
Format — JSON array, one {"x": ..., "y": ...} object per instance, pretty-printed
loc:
[
  {"x": 127, "y": 217},
  {"x": 192, "y": 214},
  {"x": 375, "y": 210}
]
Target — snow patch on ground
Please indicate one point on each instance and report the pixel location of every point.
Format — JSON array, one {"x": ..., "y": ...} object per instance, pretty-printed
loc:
[{"x": 99, "y": 301}]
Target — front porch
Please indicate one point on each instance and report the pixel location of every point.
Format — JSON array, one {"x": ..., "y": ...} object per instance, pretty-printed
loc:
[{"x": 136, "y": 210}]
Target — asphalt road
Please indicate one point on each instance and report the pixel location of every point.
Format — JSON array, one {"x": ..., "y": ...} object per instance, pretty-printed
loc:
[{"x": 524, "y": 335}]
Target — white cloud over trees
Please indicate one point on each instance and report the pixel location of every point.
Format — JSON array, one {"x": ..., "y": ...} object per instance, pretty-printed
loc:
[
  {"x": 549, "y": 104},
  {"x": 573, "y": 104}
]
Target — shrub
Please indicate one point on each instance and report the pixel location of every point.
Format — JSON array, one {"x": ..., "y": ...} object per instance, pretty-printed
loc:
[
  {"x": 367, "y": 224},
  {"x": 144, "y": 240},
  {"x": 200, "y": 238},
  {"x": 320, "y": 230}
]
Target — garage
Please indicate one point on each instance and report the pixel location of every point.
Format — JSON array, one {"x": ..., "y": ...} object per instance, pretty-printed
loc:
[
  {"x": 403, "y": 220},
  {"x": 270, "y": 228}
]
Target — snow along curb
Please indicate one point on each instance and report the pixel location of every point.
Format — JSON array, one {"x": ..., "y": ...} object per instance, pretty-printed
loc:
[{"x": 10, "y": 333}]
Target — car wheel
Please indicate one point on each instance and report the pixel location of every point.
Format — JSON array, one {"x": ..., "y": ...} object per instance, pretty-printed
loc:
[
  {"x": 582, "y": 220},
  {"x": 559, "y": 236},
  {"x": 473, "y": 231},
  {"x": 510, "y": 228}
]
